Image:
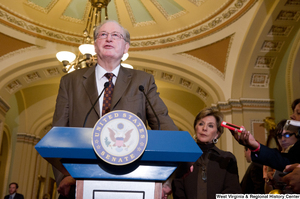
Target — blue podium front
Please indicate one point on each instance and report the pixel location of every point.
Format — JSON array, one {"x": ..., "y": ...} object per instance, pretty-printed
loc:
[{"x": 70, "y": 150}]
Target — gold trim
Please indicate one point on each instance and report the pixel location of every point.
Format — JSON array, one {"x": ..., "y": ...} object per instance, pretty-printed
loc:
[
  {"x": 197, "y": 2},
  {"x": 219, "y": 21},
  {"x": 51, "y": 72},
  {"x": 13, "y": 86},
  {"x": 39, "y": 8},
  {"x": 31, "y": 77},
  {"x": 246, "y": 104},
  {"x": 265, "y": 62},
  {"x": 19, "y": 51},
  {"x": 260, "y": 80},
  {"x": 71, "y": 19},
  {"x": 202, "y": 93},
  {"x": 37, "y": 30},
  {"x": 4, "y": 106},
  {"x": 27, "y": 138}
]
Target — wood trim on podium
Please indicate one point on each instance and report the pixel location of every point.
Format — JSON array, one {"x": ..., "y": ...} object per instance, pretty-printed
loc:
[
  {"x": 79, "y": 189},
  {"x": 158, "y": 190}
]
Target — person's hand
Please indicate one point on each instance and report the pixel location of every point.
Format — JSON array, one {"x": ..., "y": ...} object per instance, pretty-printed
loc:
[
  {"x": 166, "y": 190},
  {"x": 269, "y": 179},
  {"x": 245, "y": 138},
  {"x": 65, "y": 185},
  {"x": 292, "y": 179},
  {"x": 192, "y": 168}
]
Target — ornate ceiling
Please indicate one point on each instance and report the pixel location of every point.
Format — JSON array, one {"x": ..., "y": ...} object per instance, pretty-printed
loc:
[{"x": 152, "y": 24}]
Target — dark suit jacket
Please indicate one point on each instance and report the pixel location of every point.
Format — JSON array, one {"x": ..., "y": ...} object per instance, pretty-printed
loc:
[
  {"x": 222, "y": 177},
  {"x": 253, "y": 181},
  {"x": 78, "y": 91},
  {"x": 17, "y": 196},
  {"x": 275, "y": 159}
]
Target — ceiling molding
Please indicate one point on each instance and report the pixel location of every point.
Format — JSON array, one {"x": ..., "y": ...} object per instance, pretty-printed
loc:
[
  {"x": 4, "y": 106},
  {"x": 233, "y": 10},
  {"x": 216, "y": 22},
  {"x": 245, "y": 104},
  {"x": 29, "y": 27},
  {"x": 40, "y": 8}
]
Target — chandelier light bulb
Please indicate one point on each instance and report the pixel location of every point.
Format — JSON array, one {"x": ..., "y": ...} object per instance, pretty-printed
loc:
[
  {"x": 87, "y": 49},
  {"x": 127, "y": 66},
  {"x": 125, "y": 56},
  {"x": 65, "y": 56}
]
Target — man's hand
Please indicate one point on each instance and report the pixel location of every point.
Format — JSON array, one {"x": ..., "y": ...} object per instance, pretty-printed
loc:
[
  {"x": 245, "y": 138},
  {"x": 65, "y": 185},
  {"x": 292, "y": 179}
]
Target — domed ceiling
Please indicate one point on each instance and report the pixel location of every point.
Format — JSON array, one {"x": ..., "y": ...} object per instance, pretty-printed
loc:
[{"x": 152, "y": 23}]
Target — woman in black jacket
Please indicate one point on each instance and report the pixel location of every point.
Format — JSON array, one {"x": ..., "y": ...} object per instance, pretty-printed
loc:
[{"x": 216, "y": 170}]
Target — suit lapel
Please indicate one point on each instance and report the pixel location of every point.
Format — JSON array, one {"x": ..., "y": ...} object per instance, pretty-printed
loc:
[
  {"x": 123, "y": 80},
  {"x": 89, "y": 83}
]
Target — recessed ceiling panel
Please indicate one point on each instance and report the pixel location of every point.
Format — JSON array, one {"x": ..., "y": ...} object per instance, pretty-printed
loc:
[
  {"x": 137, "y": 12},
  {"x": 44, "y": 3},
  {"x": 75, "y": 9},
  {"x": 214, "y": 54},
  {"x": 169, "y": 8},
  {"x": 111, "y": 12},
  {"x": 10, "y": 44}
]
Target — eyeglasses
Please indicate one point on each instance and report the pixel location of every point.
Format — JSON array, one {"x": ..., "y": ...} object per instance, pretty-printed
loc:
[
  {"x": 114, "y": 35},
  {"x": 286, "y": 135}
]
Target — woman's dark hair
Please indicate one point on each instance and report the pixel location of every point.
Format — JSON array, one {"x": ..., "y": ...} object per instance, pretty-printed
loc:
[
  {"x": 294, "y": 104},
  {"x": 279, "y": 127},
  {"x": 211, "y": 112}
]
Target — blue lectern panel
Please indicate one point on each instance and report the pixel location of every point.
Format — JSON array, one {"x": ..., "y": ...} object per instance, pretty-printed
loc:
[
  {"x": 142, "y": 172},
  {"x": 166, "y": 146},
  {"x": 73, "y": 148},
  {"x": 67, "y": 142},
  {"x": 171, "y": 146}
]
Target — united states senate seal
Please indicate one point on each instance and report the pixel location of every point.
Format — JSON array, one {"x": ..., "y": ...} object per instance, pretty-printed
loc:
[{"x": 119, "y": 137}]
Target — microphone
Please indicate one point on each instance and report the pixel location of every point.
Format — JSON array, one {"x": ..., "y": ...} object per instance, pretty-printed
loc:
[
  {"x": 141, "y": 88},
  {"x": 106, "y": 84}
]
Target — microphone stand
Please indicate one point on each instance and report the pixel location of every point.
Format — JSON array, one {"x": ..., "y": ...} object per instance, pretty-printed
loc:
[
  {"x": 106, "y": 84},
  {"x": 141, "y": 88}
]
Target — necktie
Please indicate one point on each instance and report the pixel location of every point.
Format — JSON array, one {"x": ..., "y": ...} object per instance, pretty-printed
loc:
[{"x": 108, "y": 94}]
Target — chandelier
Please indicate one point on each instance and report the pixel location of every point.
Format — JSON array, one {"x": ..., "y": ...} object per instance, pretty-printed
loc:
[{"x": 86, "y": 56}]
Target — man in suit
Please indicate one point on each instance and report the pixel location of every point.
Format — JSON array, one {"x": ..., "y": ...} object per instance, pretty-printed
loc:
[
  {"x": 13, "y": 187},
  {"x": 253, "y": 181},
  {"x": 80, "y": 89}
]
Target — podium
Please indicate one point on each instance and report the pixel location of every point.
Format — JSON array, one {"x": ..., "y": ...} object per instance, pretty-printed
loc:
[{"x": 70, "y": 150}]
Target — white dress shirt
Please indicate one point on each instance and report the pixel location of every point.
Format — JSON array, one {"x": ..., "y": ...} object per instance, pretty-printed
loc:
[{"x": 101, "y": 79}]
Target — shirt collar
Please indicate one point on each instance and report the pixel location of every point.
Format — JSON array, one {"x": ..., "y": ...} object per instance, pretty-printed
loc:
[{"x": 101, "y": 71}]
